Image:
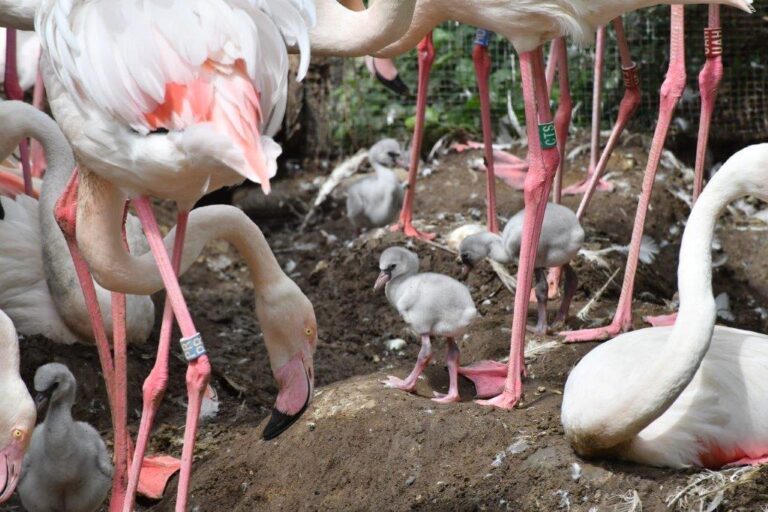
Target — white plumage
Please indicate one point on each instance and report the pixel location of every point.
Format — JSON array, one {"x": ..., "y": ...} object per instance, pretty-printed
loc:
[
  {"x": 213, "y": 73},
  {"x": 24, "y": 294},
  {"x": 430, "y": 303},
  {"x": 528, "y": 24},
  {"x": 375, "y": 201},
  {"x": 67, "y": 467},
  {"x": 689, "y": 395},
  {"x": 36, "y": 283},
  {"x": 27, "y": 57}
]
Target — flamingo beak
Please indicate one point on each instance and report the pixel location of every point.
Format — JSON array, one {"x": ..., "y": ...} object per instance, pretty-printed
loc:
[
  {"x": 296, "y": 382},
  {"x": 383, "y": 279},
  {"x": 10, "y": 469}
]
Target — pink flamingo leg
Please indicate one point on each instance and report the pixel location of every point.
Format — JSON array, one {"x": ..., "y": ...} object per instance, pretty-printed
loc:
[
  {"x": 627, "y": 108},
  {"x": 562, "y": 123},
  {"x": 482, "y": 61},
  {"x": 13, "y": 91},
  {"x": 161, "y": 468},
  {"x": 709, "y": 80},
  {"x": 543, "y": 158},
  {"x": 199, "y": 368},
  {"x": 426, "y": 55},
  {"x": 409, "y": 384},
  {"x": 597, "y": 96},
  {"x": 122, "y": 439},
  {"x": 38, "y": 98},
  {"x": 66, "y": 215},
  {"x": 671, "y": 90},
  {"x": 452, "y": 360}
]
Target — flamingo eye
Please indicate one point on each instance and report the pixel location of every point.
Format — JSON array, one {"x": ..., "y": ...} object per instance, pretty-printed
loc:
[
  {"x": 308, "y": 331},
  {"x": 17, "y": 433}
]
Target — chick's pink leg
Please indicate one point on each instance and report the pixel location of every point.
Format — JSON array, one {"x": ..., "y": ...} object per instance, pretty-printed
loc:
[
  {"x": 452, "y": 359},
  {"x": 409, "y": 384}
]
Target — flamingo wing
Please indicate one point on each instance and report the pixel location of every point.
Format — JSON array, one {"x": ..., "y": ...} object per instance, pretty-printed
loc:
[{"x": 179, "y": 64}]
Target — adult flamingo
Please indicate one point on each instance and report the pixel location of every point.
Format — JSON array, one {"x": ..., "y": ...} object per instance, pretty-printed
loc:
[
  {"x": 185, "y": 104},
  {"x": 35, "y": 287},
  {"x": 671, "y": 91},
  {"x": 528, "y": 25},
  {"x": 688, "y": 395},
  {"x": 17, "y": 410}
]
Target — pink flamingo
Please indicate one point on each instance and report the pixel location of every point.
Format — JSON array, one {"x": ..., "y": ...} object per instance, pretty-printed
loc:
[
  {"x": 527, "y": 28},
  {"x": 671, "y": 92},
  {"x": 186, "y": 112}
]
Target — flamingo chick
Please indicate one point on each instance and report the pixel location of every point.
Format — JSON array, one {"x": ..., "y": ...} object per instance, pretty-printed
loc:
[
  {"x": 433, "y": 305},
  {"x": 375, "y": 201},
  {"x": 560, "y": 240},
  {"x": 688, "y": 395},
  {"x": 67, "y": 467},
  {"x": 17, "y": 410}
]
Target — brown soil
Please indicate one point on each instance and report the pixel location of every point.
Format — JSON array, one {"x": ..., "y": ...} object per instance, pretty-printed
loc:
[{"x": 363, "y": 447}]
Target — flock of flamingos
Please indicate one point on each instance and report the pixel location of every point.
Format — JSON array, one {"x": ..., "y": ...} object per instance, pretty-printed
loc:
[{"x": 174, "y": 99}]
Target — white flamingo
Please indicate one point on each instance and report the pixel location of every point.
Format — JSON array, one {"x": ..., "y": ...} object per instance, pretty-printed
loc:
[{"x": 688, "y": 395}]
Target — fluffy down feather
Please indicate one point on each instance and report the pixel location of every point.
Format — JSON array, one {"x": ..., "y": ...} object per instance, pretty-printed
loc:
[{"x": 175, "y": 64}]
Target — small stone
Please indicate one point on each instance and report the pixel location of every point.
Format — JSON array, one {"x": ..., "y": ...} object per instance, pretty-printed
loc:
[
  {"x": 541, "y": 389},
  {"x": 410, "y": 481},
  {"x": 395, "y": 344},
  {"x": 311, "y": 426}
]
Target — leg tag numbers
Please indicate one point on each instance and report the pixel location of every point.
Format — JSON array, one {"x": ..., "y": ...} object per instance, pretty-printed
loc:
[
  {"x": 547, "y": 136},
  {"x": 193, "y": 347}
]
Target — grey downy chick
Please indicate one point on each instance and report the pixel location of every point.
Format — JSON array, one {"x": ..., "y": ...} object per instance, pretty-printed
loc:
[
  {"x": 67, "y": 467},
  {"x": 375, "y": 201},
  {"x": 561, "y": 238},
  {"x": 432, "y": 305}
]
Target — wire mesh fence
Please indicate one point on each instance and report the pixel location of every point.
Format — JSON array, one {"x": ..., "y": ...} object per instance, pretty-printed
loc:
[{"x": 361, "y": 110}]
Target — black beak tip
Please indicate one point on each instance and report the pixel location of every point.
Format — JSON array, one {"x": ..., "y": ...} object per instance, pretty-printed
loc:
[
  {"x": 41, "y": 401},
  {"x": 279, "y": 422},
  {"x": 395, "y": 85}
]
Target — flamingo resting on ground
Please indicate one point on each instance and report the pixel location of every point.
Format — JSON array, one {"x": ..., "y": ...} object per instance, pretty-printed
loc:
[
  {"x": 528, "y": 28},
  {"x": 671, "y": 91},
  {"x": 17, "y": 410},
  {"x": 688, "y": 395}
]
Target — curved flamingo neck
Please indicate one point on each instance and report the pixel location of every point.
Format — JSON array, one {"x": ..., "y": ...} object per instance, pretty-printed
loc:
[
  {"x": 9, "y": 349},
  {"x": 18, "y": 14},
  {"x": 348, "y": 33},
  {"x": 99, "y": 221},
  {"x": 661, "y": 383}
]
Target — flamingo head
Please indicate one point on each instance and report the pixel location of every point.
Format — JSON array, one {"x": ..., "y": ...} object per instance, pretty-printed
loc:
[{"x": 290, "y": 333}]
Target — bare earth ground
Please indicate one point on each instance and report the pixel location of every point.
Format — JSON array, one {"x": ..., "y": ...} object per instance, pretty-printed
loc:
[{"x": 363, "y": 447}]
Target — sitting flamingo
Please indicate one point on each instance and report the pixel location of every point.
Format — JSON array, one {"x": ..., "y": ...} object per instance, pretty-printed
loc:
[{"x": 688, "y": 395}]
